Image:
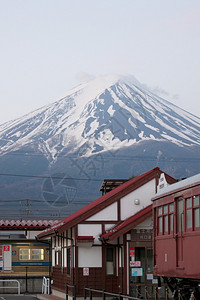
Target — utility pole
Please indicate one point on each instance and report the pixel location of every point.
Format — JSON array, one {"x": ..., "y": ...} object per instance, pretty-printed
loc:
[{"x": 27, "y": 209}]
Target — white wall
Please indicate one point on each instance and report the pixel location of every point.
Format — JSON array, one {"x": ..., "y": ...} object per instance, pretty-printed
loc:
[
  {"x": 147, "y": 224},
  {"x": 107, "y": 214},
  {"x": 32, "y": 234},
  {"x": 143, "y": 194},
  {"x": 89, "y": 257},
  {"x": 90, "y": 230}
]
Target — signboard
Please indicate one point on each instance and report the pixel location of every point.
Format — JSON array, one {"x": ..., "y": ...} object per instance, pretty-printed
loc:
[
  {"x": 135, "y": 263},
  {"x": 85, "y": 271},
  {"x": 26, "y": 264},
  {"x": 136, "y": 272},
  {"x": 1, "y": 257},
  {"x": 6, "y": 248},
  {"x": 132, "y": 251},
  {"x": 141, "y": 235},
  {"x": 149, "y": 276},
  {"x": 7, "y": 258}
]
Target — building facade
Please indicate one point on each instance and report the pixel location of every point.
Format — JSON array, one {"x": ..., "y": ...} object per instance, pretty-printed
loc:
[
  {"x": 107, "y": 245},
  {"x": 22, "y": 257}
]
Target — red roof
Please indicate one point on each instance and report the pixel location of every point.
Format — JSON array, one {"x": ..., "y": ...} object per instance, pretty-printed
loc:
[
  {"x": 128, "y": 224},
  {"x": 26, "y": 224},
  {"x": 104, "y": 201}
]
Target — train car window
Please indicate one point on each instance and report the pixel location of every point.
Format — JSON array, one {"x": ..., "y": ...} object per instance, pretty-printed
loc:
[
  {"x": 189, "y": 213},
  {"x": 189, "y": 202},
  {"x": 196, "y": 200},
  {"x": 196, "y": 211},
  {"x": 160, "y": 225},
  {"x": 37, "y": 254},
  {"x": 171, "y": 217},
  {"x": 180, "y": 216},
  {"x": 160, "y": 210},
  {"x": 171, "y": 207},
  {"x": 24, "y": 254},
  {"x": 160, "y": 220},
  {"x": 166, "y": 223},
  {"x": 196, "y": 217},
  {"x": 165, "y": 209},
  {"x": 171, "y": 220}
]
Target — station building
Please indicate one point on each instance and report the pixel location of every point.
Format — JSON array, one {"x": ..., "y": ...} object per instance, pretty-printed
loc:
[
  {"x": 22, "y": 257},
  {"x": 107, "y": 245}
]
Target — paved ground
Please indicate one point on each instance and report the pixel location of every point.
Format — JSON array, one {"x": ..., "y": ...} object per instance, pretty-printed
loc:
[
  {"x": 28, "y": 297},
  {"x": 17, "y": 297}
]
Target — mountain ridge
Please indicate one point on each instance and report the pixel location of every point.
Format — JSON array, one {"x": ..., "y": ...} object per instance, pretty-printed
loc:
[
  {"x": 91, "y": 111},
  {"x": 109, "y": 127}
]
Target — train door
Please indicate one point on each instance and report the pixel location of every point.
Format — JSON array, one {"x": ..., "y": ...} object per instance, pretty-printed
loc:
[{"x": 179, "y": 229}]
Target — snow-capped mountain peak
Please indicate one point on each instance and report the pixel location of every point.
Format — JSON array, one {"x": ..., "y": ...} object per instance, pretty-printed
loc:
[{"x": 106, "y": 113}]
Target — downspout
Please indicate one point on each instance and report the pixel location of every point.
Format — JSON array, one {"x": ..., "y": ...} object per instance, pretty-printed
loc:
[
  {"x": 122, "y": 266},
  {"x": 50, "y": 252}
]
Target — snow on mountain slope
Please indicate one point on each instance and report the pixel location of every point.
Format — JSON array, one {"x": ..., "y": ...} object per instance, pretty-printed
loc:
[{"x": 106, "y": 113}]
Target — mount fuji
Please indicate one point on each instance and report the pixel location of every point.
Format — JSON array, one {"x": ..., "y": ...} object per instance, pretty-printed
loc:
[{"x": 109, "y": 127}]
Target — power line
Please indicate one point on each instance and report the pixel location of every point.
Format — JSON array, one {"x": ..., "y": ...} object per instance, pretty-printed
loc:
[{"x": 48, "y": 177}]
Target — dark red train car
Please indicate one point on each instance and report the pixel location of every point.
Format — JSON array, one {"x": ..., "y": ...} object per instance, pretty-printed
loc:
[{"x": 176, "y": 217}]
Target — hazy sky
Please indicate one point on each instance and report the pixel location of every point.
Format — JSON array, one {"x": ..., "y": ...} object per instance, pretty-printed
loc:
[{"x": 46, "y": 46}]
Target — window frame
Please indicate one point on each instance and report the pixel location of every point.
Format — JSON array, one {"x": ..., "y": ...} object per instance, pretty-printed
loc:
[
  {"x": 113, "y": 261},
  {"x": 30, "y": 254}
]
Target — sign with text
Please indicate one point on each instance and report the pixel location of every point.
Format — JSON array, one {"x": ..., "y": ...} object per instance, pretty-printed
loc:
[
  {"x": 141, "y": 235},
  {"x": 135, "y": 263},
  {"x": 6, "y": 248},
  {"x": 85, "y": 271},
  {"x": 136, "y": 272},
  {"x": 132, "y": 251}
]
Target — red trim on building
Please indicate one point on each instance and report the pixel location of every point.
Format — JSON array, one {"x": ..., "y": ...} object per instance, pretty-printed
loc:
[
  {"x": 129, "y": 223},
  {"x": 85, "y": 238},
  {"x": 104, "y": 201}
]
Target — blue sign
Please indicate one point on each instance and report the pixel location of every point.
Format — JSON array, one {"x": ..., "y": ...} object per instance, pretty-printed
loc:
[
  {"x": 136, "y": 271},
  {"x": 30, "y": 264}
]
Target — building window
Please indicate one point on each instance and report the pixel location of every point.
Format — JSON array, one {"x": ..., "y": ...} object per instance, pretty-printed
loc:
[
  {"x": 31, "y": 254},
  {"x": 110, "y": 266},
  {"x": 68, "y": 261}
]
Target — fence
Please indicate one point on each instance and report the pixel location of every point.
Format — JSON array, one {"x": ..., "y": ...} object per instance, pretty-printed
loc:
[
  {"x": 73, "y": 291},
  {"x": 46, "y": 285},
  {"x": 11, "y": 287},
  {"x": 104, "y": 294}
]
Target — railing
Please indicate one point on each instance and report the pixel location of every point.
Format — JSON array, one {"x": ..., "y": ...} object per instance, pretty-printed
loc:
[
  {"x": 151, "y": 292},
  {"x": 11, "y": 287},
  {"x": 46, "y": 285},
  {"x": 73, "y": 291},
  {"x": 104, "y": 293}
]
